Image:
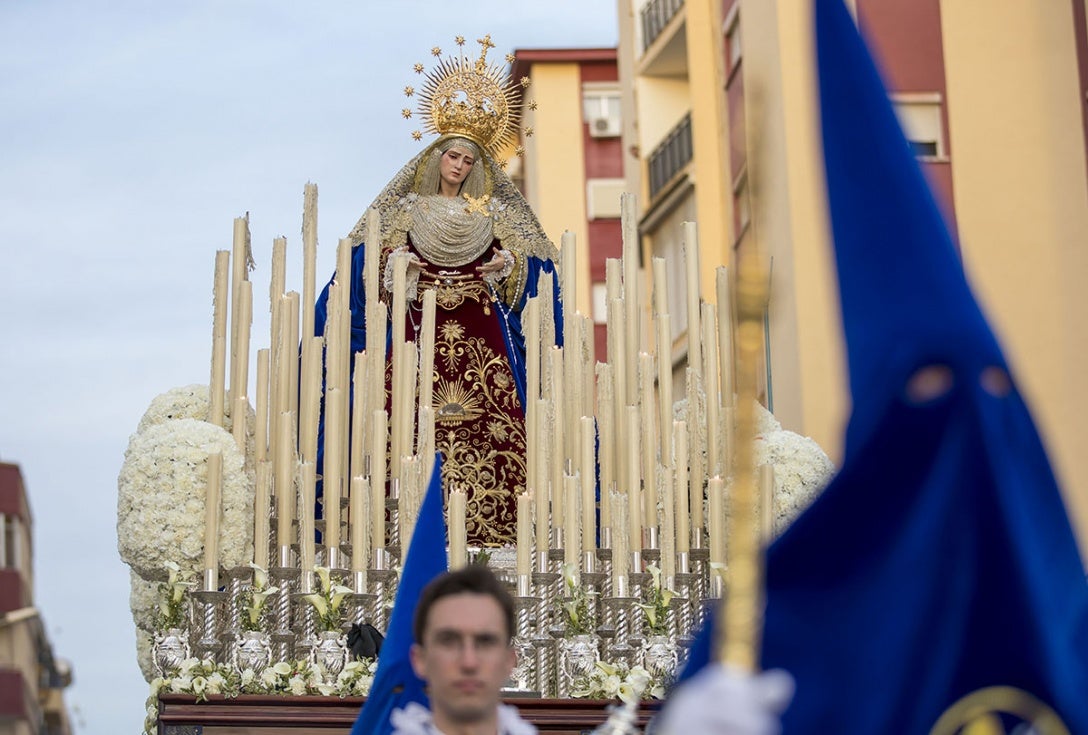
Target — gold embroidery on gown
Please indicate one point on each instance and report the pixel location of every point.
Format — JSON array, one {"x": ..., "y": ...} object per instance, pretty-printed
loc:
[{"x": 479, "y": 431}]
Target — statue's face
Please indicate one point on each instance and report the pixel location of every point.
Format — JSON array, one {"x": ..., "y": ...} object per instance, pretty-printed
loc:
[{"x": 454, "y": 167}]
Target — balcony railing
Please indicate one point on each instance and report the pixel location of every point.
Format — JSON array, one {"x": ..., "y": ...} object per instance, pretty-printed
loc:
[
  {"x": 656, "y": 14},
  {"x": 672, "y": 155}
]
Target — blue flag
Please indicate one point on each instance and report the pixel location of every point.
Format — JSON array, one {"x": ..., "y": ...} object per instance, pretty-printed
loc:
[
  {"x": 395, "y": 683},
  {"x": 938, "y": 576}
]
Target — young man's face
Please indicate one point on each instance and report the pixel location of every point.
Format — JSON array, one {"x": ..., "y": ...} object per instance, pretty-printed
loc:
[{"x": 465, "y": 657}]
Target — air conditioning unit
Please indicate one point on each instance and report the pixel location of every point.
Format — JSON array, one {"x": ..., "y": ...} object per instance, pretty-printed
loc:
[{"x": 604, "y": 127}]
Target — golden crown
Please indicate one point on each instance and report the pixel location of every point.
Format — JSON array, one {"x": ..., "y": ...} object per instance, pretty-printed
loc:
[{"x": 472, "y": 98}]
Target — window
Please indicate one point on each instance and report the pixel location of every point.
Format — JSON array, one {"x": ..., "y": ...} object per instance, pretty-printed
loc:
[
  {"x": 920, "y": 117},
  {"x": 601, "y": 110},
  {"x": 9, "y": 541},
  {"x": 732, "y": 39},
  {"x": 742, "y": 213}
]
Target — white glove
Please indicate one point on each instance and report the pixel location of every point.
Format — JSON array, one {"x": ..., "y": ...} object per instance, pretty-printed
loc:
[{"x": 724, "y": 701}]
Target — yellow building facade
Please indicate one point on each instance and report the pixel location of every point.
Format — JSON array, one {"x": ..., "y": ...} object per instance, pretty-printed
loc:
[{"x": 721, "y": 119}]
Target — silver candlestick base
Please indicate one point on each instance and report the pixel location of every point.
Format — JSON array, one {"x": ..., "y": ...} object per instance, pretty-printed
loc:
[{"x": 209, "y": 643}]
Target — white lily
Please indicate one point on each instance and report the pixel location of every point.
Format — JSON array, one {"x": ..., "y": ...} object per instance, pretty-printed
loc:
[
  {"x": 318, "y": 601},
  {"x": 323, "y": 575},
  {"x": 260, "y": 577}
]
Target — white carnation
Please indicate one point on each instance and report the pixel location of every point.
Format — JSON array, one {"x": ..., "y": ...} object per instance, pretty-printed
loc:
[
  {"x": 143, "y": 600},
  {"x": 144, "y": 644},
  {"x": 194, "y": 402},
  {"x": 801, "y": 471},
  {"x": 160, "y": 499}
]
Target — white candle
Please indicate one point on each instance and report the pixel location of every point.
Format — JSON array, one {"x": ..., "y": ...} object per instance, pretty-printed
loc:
[
  {"x": 276, "y": 289},
  {"x": 284, "y": 469},
  {"x": 606, "y": 452},
  {"x": 531, "y": 323},
  {"x": 588, "y": 486},
  {"x": 572, "y": 542},
  {"x": 219, "y": 338},
  {"x": 373, "y": 259},
  {"x": 725, "y": 333},
  {"x": 631, "y": 257},
  {"x": 333, "y": 470},
  {"x": 690, "y": 244},
  {"x": 290, "y": 353},
  {"x": 262, "y": 430},
  {"x": 239, "y": 271},
  {"x": 648, "y": 440},
  {"x": 306, "y": 530},
  {"x": 716, "y": 520},
  {"x": 309, "y": 265},
  {"x": 661, "y": 293},
  {"x": 696, "y": 444},
  {"x": 668, "y": 528},
  {"x": 410, "y": 357},
  {"x": 212, "y": 510},
  {"x": 617, "y": 347},
  {"x": 378, "y": 320},
  {"x": 260, "y": 513},
  {"x": 240, "y": 366},
  {"x": 558, "y": 433},
  {"x": 310, "y": 398},
  {"x": 680, "y": 485},
  {"x": 238, "y": 428},
  {"x": 525, "y": 537},
  {"x": 710, "y": 389},
  {"x": 664, "y": 386},
  {"x": 458, "y": 529},
  {"x": 569, "y": 282},
  {"x": 360, "y": 524},
  {"x": 541, "y": 499},
  {"x": 356, "y": 463},
  {"x": 426, "y": 352},
  {"x": 621, "y": 559},
  {"x": 378, "y": 445},
  {"x": 634, "y": 490}
]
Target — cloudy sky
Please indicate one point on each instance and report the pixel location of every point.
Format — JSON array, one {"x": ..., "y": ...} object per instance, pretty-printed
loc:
[{"x": 131, "y": 134}]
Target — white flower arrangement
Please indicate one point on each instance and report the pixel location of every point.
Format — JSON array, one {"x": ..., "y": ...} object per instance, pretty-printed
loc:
[
  {"x": 327, "y": 600},
  {"x": 204, "y": 678},
  {"x": 801, "y": 470},
  {"x": 574, "y": 609},
  {"x": 618, "y": 681},
  {"x": 655, "y": 605},
  {"x": 143, "y": 600},
  {"x": 251, "y": 601},
  {"x": 160, "y": 499},
  {"x": 144, "y": 645},
  {"x": 194, "y": 402},
  {"x": 173, "y": 597}
]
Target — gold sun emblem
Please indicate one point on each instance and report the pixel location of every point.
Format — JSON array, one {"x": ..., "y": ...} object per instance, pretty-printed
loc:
[{"x": 454, "y": 403}]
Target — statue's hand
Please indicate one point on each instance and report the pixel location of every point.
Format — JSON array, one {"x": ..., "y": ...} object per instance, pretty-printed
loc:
[{"x": 496, "y": 264}]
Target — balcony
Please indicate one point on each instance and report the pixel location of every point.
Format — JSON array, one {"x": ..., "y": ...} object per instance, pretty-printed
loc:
[
  {"x": 671, "y": 156},
  {"x": 656, "y": 14}
]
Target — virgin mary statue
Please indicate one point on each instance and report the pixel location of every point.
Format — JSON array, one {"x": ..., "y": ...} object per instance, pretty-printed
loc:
[{"x": 471, "y": 236}]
